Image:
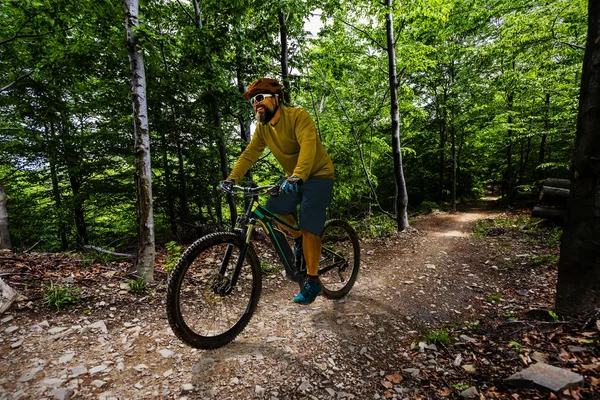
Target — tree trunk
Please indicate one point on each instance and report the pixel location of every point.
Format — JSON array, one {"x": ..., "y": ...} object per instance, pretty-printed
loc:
[
  {"x": 223, "y": 162},
  {"x": 402, "y": 198},
  {"x": 144, "y": 266},
  {"x": 284, "y": 58},
  {"x": 453, "y": 145},
  {"x": 169, "y": 186},
  {"x": 578, "y": 286},
  {"x": 5, "y": 243},
  {"x": 197, "y": 14},
  {"x": 542, "y": 158},
  {"x": 72, "y": 161},
  {"x": 509, "y": 152},
  {"x": 442, "y": 166},
  {"x": 52, "y": 150},
  {"x": 174, "y": 132}
]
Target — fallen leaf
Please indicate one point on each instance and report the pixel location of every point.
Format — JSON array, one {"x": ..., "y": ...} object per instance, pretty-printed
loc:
[
  {"x": 445, "y": 393},
  {"x": 394, "y": 378},
  {"x": 590, "y": 367},
  {"x": 387, "y": 384}
]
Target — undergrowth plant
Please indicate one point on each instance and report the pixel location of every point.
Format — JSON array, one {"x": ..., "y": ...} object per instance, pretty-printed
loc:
[
  {"x": 173, "y": 254},
  {"x": 138, "y": 286},
  {"x": 438, "y": 336},
  {"x": 59, "y": 296}
]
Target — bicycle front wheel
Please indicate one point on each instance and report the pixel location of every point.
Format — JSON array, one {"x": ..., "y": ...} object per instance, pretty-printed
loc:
[
  {"x": 340, "y": 259},
  {"x": 203, "y": 308}
]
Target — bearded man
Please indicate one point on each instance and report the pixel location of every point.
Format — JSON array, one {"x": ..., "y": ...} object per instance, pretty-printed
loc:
[{"x": 291, "y": 136}]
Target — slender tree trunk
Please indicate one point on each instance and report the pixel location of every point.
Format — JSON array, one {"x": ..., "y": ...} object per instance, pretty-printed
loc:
[
  {"x": 509, "y": 152},
  {"x": 144, "y": 267},
  {"x": 402, "y": 198},
  {"x": 578, "y": 286},
  {"x": 78, "y": 213},
  {"x": 197, "y": 14},
  {"x": 442, "y": 166},
  {"x": 245, "y": 124},
  {"x": 223, "y": 161},
  {"x": 284, "y": 57},
  {"x": 5, "y": 243},
  {"x": 542, "y": 158},
  {"x": 168, "y": 184},
  {"x": 73, "y": 167},
  {"x": 453, "y": 146},
  {"x": 52, "y": 149}
]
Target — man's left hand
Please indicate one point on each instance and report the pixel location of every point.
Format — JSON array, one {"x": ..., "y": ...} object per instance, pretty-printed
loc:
[{"x": 291, "y": 185}]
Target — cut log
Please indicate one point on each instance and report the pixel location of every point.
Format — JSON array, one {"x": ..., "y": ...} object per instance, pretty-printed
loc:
[
  {"x": 7, "y": 296},
  {"x": 558, "y": 183},
  {"x": 554, "y": 195},
  {"x": 557, "y": 214}
]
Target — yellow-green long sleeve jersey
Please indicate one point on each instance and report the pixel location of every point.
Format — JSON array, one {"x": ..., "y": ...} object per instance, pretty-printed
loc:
[{"x": 292, "y": 138}]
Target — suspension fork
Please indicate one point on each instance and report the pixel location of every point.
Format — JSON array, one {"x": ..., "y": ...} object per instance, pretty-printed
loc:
[{"x": 239, "y": 263}]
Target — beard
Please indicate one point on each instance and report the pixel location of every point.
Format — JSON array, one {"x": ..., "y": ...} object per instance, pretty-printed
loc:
[{"x": 267, "y": 115}]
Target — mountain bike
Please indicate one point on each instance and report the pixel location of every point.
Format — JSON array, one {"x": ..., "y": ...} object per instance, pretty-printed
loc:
[{"x": 214, "y": 288}]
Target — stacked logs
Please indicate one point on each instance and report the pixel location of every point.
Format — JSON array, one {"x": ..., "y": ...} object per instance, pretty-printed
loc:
[{"x": 553, "y": 200}]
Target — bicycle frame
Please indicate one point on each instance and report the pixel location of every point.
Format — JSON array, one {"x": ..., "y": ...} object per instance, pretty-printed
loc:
[{"x": 258, "y": 214}]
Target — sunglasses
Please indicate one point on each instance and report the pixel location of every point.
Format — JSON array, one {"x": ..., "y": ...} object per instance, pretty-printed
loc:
[{"x": 259, "y": 98}]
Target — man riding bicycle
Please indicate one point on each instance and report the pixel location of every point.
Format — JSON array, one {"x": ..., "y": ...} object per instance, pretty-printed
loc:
[{"x": 291, "y": 136}]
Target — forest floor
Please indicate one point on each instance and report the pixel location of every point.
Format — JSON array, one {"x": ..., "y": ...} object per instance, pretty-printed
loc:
[{"x": 436, "y": 313}]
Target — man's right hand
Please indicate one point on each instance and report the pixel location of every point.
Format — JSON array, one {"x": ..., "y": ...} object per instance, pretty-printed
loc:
[{"x": 226, "y": 186}]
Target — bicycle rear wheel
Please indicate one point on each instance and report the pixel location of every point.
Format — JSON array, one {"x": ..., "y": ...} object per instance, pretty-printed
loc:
[
  {"x": 202, "y": 309},
  {"x": 340, "y": 258}
]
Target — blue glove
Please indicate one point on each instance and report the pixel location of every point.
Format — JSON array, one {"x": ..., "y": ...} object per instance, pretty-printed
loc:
[
  {"x": 226, "y": 186},
  {"x": 291, "y": 185}
]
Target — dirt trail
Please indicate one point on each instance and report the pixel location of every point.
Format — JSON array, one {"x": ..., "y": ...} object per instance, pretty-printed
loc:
[{"x": 330, "y": 349}]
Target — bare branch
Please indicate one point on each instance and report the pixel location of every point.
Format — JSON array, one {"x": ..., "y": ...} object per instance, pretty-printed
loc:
[
  {"x": 16, "y": 36},
  {"x": 112, "y": 253},
  {"x": 15, "y": 81},
  {"x": 382, "y": 47},
  {"x": 188, "y": 14},
  {"x": 34, "y": 246}
]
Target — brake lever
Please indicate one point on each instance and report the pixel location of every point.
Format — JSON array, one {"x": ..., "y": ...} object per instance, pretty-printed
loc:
[{"x": 274, "y": 191}]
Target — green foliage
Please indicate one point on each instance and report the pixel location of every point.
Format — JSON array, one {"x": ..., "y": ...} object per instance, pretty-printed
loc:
[
  {"x": 427, "y": 206},
  {"x": 493, "y": 298},
  {"x": 515, "y": 345},
  {"x": 544, "y": 259},
  {"x": 269, "y": 268},
  {"x": 375, "y": 226},
  {"x": 173, "y": 254},
  {"x": 138, "y": 286},
  {"x": 438, "y": 336},
  {"x": 60, "y": 296},
  {"x": 554, "y": 316}
]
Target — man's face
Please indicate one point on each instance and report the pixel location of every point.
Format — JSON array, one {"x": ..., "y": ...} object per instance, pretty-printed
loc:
[{"x": 265, "y": 110}]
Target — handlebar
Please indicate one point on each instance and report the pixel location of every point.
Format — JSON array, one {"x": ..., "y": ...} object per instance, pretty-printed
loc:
[{"x": 272, "y": 190}]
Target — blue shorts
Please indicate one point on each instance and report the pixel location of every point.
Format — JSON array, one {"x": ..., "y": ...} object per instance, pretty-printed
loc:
[{"x": 314, "y": 197}]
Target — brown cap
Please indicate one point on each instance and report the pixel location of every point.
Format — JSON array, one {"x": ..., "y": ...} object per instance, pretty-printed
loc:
[{"x": 263, "y": 85}]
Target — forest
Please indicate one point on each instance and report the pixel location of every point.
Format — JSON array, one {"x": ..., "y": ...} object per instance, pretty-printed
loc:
[{"x": 487, "y": 94}]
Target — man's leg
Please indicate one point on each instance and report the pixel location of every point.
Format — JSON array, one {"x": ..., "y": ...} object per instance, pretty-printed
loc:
[
  {"x": 311, "y": 244},
  {"x": 317, "y": 196},
  {"x": 290, "y": 220}
]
